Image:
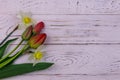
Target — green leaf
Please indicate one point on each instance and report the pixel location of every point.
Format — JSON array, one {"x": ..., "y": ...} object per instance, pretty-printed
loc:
[
  {"x": 18, "y": 69},
  {"x": 3, "y": 48},
  {"x": 11, "y": 59}
]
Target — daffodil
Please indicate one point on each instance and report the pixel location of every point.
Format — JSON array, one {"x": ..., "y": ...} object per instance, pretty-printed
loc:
[
  {"x": 37, "y": 55},
  {"x": 26, "y": 20}
]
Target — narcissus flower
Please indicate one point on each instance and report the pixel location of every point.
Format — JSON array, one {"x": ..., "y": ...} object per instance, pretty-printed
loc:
[
  {"x": 37, "y": 55},
  {"x": 26, "y": 19},
  {"x": 27, "y": 33},
  {"x": 38, "y": 27},
  {"x": 37, "y": 40}
]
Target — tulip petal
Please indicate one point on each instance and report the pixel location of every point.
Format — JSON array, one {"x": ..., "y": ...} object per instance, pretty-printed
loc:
[
  {"x": 37, "y": 40},
  {"x": 38, "y": 27}
]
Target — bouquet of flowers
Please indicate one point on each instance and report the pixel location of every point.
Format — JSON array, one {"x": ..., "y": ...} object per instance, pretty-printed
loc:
[{"x": 33, "y": 39}]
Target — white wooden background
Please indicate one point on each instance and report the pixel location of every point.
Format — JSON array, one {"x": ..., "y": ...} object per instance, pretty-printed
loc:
[{"x": 83, "y": 37}]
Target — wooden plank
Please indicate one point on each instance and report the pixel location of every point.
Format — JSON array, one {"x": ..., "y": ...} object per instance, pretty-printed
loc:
[
  {"x": 83, "y": 37},
  {"x": 64, "y": 77},
  {"x": 71, "y": 29},
  {"x": 61, "y": 6},
  {"x": 80, "y": 59}
]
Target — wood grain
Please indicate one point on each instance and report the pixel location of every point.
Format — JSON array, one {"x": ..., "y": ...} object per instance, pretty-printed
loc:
[
  {"x": 75, "y": 29},
  {"x": 65, "y": 77},
  {"x": 74, "y": 7},
  {"x": 79, "y": 59},
  {"x": 83, "y": 37}
]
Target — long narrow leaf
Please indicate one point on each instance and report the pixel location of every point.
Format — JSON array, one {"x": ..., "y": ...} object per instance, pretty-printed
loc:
[
  {"x": 18, "y": 69},
  {"x": 11, "y": 59},
  {"x": 3, "y": 47}
]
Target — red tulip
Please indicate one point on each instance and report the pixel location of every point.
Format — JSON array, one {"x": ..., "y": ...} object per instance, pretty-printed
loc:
[
  {"x": 27, "y": 33},
  {"x": 37, "y": 40},
  {"x": 38, "y": 27}
]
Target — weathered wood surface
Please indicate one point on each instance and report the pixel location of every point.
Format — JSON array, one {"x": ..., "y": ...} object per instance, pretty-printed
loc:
[
  {"x": 83, "y": 37},
  {"x": 80, "y": 59},
  {"x": 76, "y": 29},
  {"x": 73, "y": 7},
  {"x": 66, "y": 77}
]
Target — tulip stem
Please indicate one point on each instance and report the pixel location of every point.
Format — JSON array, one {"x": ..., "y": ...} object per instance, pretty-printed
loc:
[
  {"x": 11, "y": 51},
  {"x": 14, "y": 56},
  {"x": 9, "y": 35}
]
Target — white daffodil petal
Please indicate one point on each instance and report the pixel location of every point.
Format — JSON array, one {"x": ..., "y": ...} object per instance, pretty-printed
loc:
[
  {"x": 35, "y": 62},
  {"x": 38, "y": 54},
  {"x": 26, "y": 20},
  {"x": 31, "y": 57}
]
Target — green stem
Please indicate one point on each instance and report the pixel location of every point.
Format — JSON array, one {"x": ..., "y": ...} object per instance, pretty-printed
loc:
[
  {"x": 11, "y": 51},
  {"x": 9, "y": 35},
  {"x": 14, "y": 57}
]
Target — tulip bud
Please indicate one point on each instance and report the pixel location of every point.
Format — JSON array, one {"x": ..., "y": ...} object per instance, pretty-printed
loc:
[
  {"x": 37, "y": 40},
  {"x": 27, "y": 33},
  {"x": 38, "y": 27}
]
